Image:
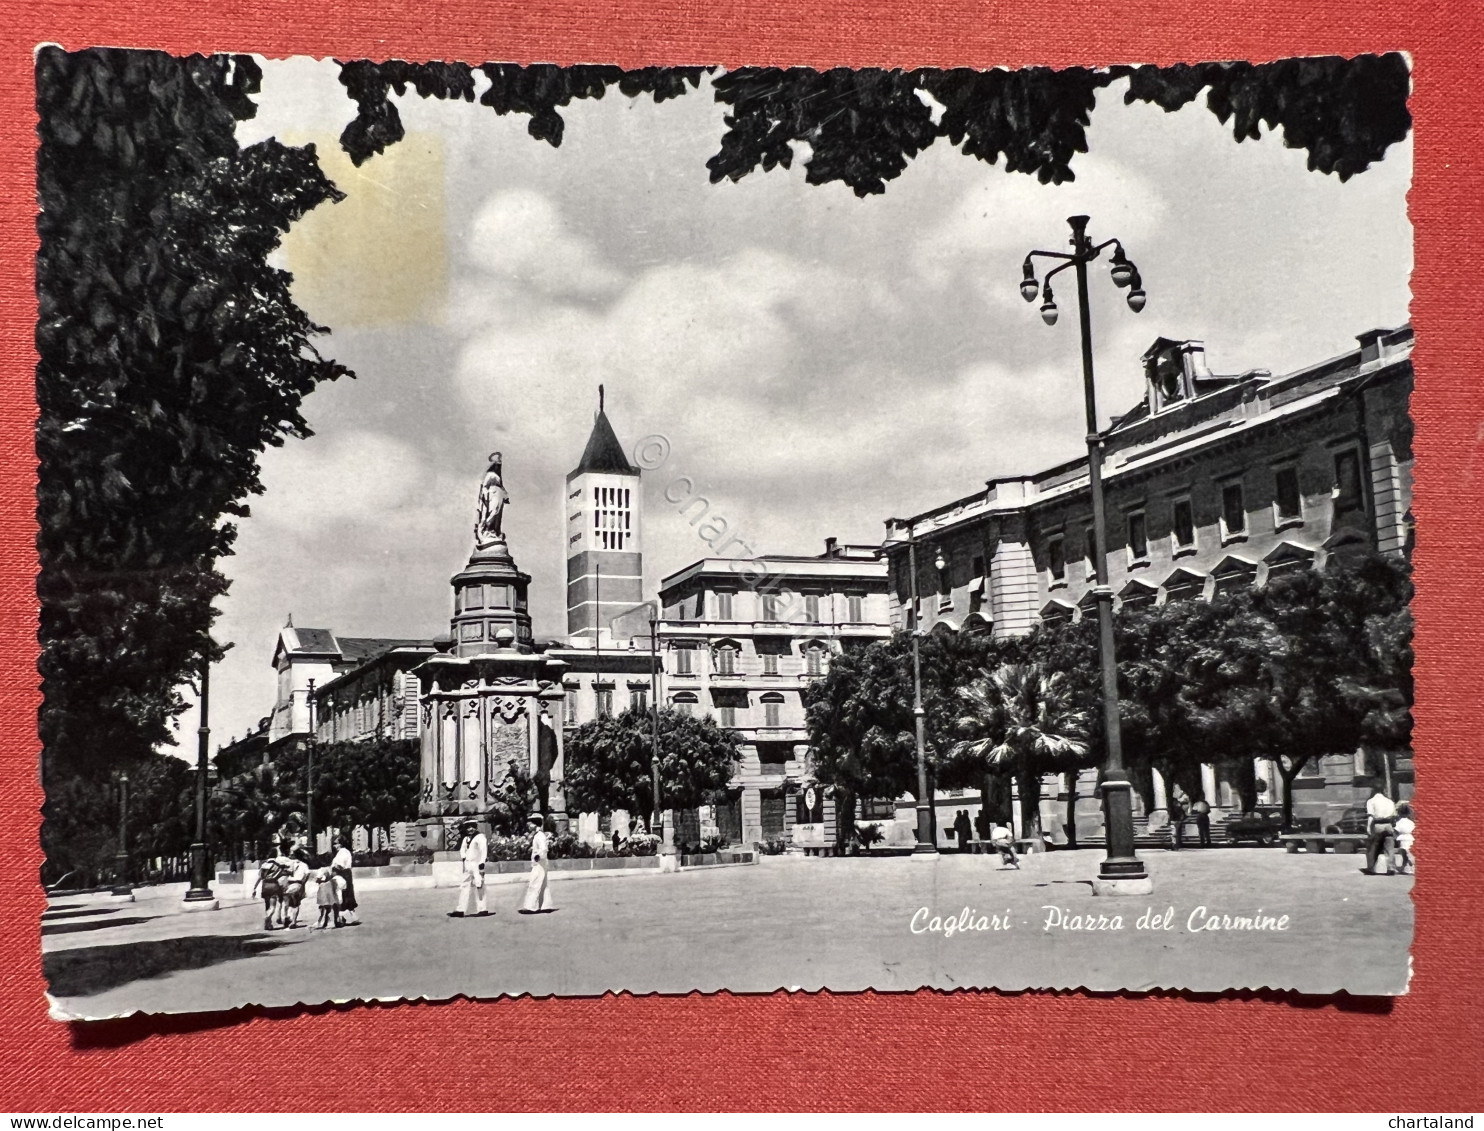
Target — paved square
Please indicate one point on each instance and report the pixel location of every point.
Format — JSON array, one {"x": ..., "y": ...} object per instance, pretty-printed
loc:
[{"x": 791, "y": 922}]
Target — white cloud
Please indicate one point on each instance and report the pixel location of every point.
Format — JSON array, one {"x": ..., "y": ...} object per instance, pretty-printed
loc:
[
  {"x": 519, "y": 236},
  {"x": 345, "y": 478},
  {"x": 998, "y": 220}
]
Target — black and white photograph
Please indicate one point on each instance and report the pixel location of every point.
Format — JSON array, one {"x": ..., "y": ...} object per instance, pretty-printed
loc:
[{"x": 514, "y": 529}]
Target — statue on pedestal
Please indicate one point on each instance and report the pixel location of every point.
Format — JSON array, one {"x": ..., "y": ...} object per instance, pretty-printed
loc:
[{"x": 492, "y": 500}]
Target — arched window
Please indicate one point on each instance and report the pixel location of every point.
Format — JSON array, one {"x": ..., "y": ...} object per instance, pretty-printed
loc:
[
  {"x": 726, "y": 659},
  {"x": 814, "y": 659},
  {"x": 772, "y": 710}
]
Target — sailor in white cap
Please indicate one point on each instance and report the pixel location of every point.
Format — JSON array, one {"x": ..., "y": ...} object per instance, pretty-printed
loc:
[
  {"x": 472, "y": 853},
  {"x": 537, "y": 897}
]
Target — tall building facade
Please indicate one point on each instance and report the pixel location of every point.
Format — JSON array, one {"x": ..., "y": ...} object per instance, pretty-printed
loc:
[
  {"x": 603, "y": 516},
  {"x": 740, "y": 640},
  {"x": 1211, "y": 482}
]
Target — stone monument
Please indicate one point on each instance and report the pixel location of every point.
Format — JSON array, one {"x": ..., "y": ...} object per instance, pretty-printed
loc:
[{"x": 490, "y": 705}]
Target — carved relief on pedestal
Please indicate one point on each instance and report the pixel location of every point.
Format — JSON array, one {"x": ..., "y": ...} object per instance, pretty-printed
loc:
[{"x": 509, "y": 742}]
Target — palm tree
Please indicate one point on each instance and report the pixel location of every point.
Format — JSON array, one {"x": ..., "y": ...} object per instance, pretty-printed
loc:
[{"x": 1022, "y": 720}]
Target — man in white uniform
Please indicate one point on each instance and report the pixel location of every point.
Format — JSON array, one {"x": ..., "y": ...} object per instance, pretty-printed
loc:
[
  {"x": 472, "y": 853},
  {"x": 1381, "y": 827}
]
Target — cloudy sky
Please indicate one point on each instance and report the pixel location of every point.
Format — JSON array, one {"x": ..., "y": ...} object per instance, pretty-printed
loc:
[{"x": 816, "y": 362}]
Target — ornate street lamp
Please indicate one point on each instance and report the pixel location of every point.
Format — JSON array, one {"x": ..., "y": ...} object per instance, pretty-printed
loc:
[
  {"x": 925, "y": 845},
  {"x": 199, "y": 896},
  {"x": 1121, "y": 872},
  {"x": 121, "y": 889}
]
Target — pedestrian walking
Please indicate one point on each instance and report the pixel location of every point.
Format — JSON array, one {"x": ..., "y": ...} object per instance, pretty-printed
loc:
[
  {"x": 964, "y": 830},
  {"x": 1380, "y": 830},
  {"x": 537, "y": 897},
  {"x": 1177, "y": 823},
  {"x": 296, "y": 881},
  {"x": 272, "y": 873},
  {"x": 1406, "y": 831},
  {"x": 473, "y": 852},
  {"x": 345, "y": 883},
  {"x": 1201, "y": 808},
  {"x": 327, "y": 899},
  {"x": 1004, "y": 843}
]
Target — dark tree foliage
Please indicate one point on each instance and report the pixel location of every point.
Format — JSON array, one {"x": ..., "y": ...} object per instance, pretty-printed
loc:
[
  {"x": 862, "y": 730},
  {"x": 171, "y": 355},
  {"x": 1345, "y": 112},
  {"x": 1311, "y": 664},
  {"x": 863, "y": 126},
  {"x": 82, "y": 813},
  {"x": 608, "y": 762},
  {"x": 1037, "y": 118},
  {"x": 373, "y": 783},
  {"x": 537, "y": 91}
]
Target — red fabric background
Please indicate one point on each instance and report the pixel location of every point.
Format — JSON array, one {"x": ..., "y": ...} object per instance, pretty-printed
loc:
[{"x": 933, "y": 1050}]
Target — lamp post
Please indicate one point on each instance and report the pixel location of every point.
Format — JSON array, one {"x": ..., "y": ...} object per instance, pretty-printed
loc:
[
  {"x": 121, "y": 889},
  {"x": 309, "y": 774},
  {"x": 925, "y": 846},
  {"x": 654, "y": 716},
  {"x": 1121, "y": 872},
  {"x": 198, "y": 896}
]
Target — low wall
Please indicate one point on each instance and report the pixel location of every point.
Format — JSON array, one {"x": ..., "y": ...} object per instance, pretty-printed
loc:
[
  {"x": 718, "y": 859},
  {"x": 448, "y": 873}
]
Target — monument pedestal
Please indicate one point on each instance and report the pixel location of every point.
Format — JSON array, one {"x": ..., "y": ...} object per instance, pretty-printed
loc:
[{"x": 491, "y": 709}]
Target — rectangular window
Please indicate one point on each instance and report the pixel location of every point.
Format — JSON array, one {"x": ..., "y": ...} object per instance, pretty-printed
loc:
[
  {"x": 605, "y": 702},
  {"x": 723, "y": 606},
  {"x": 1183, "y": 525},
  {"x": 770, "y": 663},
  {"x": 853, "y": 608},
  {"x": 726, "y": 715},
  {"x": 814, "y": 661},
  {"x": 684, "y": 707},
  {"x": 1090, "y": 551},
  {"x": 1056, "y": 558},
  {"x": 1138, "y": 538},
  {"x": 1347, "y": 482},
  {"x": 1233, "y": 510},
  {"x": 726, "y": 661},
  {"x": 638, "y": 700},
  {"x": 770, "y": 713},
  {"x": 1286, "y": 496},
  {"x": 571, "y": 707},
  {"x": 683, "y": 661},
  {"x": 771, "y": 604},
  {"x": 811, "y": 608}
]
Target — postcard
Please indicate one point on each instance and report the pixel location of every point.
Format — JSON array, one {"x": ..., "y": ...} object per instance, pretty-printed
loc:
[{"x": 557, "y": 530}]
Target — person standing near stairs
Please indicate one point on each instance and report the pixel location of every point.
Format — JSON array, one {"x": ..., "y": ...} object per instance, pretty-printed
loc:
[{"x": 1201, "y": 808}]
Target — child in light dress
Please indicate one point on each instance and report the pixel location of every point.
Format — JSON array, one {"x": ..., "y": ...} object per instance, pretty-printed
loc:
[
  {"x": 1406, "y": 831},
  {"x": 327, "y": 899}
]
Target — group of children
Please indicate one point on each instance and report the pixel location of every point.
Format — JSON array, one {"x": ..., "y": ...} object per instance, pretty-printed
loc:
[{"x": 284, "y": 879}]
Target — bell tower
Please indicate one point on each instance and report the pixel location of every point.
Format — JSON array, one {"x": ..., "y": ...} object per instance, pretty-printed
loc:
[{"x": 602, "y": 513}]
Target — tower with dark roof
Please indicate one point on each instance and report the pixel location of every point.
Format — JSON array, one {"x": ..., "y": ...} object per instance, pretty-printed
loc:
[{"x": 602, "y": 511}]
